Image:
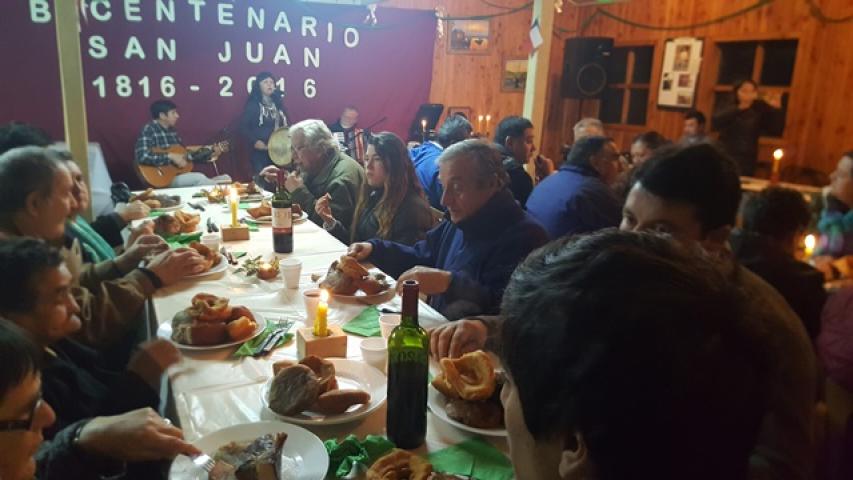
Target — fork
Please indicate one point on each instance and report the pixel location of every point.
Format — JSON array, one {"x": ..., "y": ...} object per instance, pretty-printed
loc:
[{"x": 204, "y": 462}]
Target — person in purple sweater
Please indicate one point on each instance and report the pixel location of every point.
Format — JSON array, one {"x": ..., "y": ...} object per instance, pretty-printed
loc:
[{"x": 465, "y": 262}]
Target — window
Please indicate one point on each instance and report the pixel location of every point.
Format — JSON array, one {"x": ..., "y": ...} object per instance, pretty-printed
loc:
[
  {"x": 626, "y": 98},
  {"x": 770, "y": 64}
]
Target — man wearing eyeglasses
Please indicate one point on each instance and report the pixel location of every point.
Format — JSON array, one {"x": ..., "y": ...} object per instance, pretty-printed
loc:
[{"x": 579, "y": 198}]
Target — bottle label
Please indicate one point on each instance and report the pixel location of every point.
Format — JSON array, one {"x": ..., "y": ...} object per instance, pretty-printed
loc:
[
  {"x": 408, "y": 355},
  {"x": 281, "y": 220}
]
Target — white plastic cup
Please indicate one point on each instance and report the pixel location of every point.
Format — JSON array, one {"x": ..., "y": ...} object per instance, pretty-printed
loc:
[
  {"x": 211, "y": 241},
  {"x": 387, "y": 323},
  {"x": 291, "y": 268},
  {"x": 374, "y": 351},
  {"x": 312, "y": 300}
]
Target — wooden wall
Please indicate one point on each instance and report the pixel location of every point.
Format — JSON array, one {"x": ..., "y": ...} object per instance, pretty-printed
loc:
[{"x": 821, "y": 99}]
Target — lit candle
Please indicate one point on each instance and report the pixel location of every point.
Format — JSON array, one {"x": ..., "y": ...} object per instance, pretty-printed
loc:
[
  {"x": 266, "y": 271},
  {"x": 234, "y": 199},
  {"x": 423, "y": 125},
  {"x": 480, "y": 123},
  {"x": 777, "y": 164},
  {"x": 809, "y": 242},
  {"x": 320, "y": 322}
]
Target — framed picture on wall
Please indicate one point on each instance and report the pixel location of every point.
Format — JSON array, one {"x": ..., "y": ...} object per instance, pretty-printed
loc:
[
  {"x": 514, "y": 76},
  {"x": 682, "y": 61},
  {"x": 468, "y": 36},
  {"x": 464, "y": 111}
]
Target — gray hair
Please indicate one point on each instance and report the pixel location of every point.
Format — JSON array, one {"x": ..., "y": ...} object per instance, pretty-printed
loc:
[
  {"x": 317, "y": 134},
  {"x": 583, "y": 128},
  {"x": 484, "y": 154},
  {"x": 25, "y": 170}
]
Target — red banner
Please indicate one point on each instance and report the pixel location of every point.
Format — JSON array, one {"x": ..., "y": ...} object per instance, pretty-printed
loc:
[{"x": 202, "y": 55}]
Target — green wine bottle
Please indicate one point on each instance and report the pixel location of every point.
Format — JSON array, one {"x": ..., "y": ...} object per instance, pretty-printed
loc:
[
  {"x": 282, "y": 223},
  {"x": 408, "y": 367}
]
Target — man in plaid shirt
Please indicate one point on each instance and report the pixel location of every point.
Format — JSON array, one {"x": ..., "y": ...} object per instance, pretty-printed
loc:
[{"x": 160, "y": 133}]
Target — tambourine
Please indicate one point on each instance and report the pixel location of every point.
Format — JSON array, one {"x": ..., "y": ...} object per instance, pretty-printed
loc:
[{"x": 278, "y": 147}]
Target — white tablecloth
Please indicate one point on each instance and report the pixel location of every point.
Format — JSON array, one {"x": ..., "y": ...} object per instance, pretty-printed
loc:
[{"x": 212, "y": 391}]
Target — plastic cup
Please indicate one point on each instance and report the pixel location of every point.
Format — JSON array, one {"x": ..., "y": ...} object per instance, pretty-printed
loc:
[
  {"x": 374, "y": 351},
  {"x": 312, "y": 299},
  {"x": 387, "y": 323},
  {"x": 291, "y": 268},
  {"x": 211, "y": 241}
]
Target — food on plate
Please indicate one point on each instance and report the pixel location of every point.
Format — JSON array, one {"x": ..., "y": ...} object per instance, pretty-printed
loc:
[
  {"x": 179, "y": 222},
  {"x": 219, "y": 193},
  {"x": 472, "y": 388},
  {"x": 335, "y": 402},
  {"x": 262, "y": 210},
  {"x": 311, "y": 385},
  {"x": 293, "y": 390},
  {"x": 211, "y": 257},
  {"x": 265, "y": 270},
  {"x": 255, "y": 460},
  {"x": 211, "y": 320},
  {"x": 346, "y": 276},
  {"x": 400, "y": 465},
  {"x": 148, "y": 197}
]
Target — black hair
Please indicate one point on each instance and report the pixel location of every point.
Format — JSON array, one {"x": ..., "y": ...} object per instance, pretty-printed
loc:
[
  {"x": 454, "y": 129},
  {"x": 776, "y": 212},
  {"x": 701, "y": 176},
  {"x": 255, "y": 95},
  {"x": 513, "y": 127},
  {"x": 643, "y": 348},
  {"x": 17, "y": 134},
  {"x": 161, "y": 106},
  {"x": 19, "y": 356},
  {"x": 584, "y": 149},
  {"x": 350, "y": 107},
  {"x": 739, "y": 83},
  {"x": 652, "y": 140},
  {"x": 696, "y": 115},
  {"x": 22, "y": 259},
  {"x": 23, "y": 171}
]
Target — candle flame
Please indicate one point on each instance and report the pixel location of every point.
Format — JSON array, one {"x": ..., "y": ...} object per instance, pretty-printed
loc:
[
  {"x": 266, "y": 266},
  {"x": 810, "y": 242},
  {"x": 324, "y": 295},
  {"x": 233, "y": 195},
  {"x": 778, "y": 154},
  {"x": 488, "y": 118},
  {"x": 480, "y": 118}
]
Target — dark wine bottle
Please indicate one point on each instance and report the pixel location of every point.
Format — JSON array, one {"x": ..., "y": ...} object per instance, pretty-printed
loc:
[
  {"x": 282, "y": 222},
  {"x": 408, "y": 367}
]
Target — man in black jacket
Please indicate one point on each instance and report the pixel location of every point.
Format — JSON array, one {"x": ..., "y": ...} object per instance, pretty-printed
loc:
[{"x": 514, "y": 139}]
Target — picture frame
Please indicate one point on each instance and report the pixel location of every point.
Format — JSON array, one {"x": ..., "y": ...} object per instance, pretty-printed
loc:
[
  {"x": 514, "y": 76},
  {"x": 467, "y": 112},
  {"x": 471, "y": 37},
  {"x": 682, "y": 63}
]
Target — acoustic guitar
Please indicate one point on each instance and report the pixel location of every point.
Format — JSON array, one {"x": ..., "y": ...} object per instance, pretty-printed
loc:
[{"x": 162, "y": 176}]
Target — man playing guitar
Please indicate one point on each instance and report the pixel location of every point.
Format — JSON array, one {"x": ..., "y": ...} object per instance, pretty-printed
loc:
[{"x": 159, "y": 150}]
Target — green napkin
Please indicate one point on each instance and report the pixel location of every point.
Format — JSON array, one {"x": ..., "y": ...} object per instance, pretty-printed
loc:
[
  {"x": 475, "y": 458},
  {"x": 253, "y": 226},
  {"x": 366, "y": 324},
  {"x": 153, "y": 214},
  {"x": 182, "y": 239},
  {"x": 247, "y": 349},
  {"x": 350, "y": 451}
]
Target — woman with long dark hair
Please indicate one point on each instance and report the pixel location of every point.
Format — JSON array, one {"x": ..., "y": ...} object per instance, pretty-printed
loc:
[
  {"x": 747, "y": 118},
  {"x": 263, "y": 113},
  {"x": 391, "y": 204}
]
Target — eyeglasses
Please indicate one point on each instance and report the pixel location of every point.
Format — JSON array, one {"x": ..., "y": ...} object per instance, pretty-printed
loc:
[{"x": 27, "y": 424}]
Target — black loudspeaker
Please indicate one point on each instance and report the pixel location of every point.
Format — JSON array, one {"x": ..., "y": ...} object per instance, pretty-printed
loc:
[{"x": 585, "y": 66}]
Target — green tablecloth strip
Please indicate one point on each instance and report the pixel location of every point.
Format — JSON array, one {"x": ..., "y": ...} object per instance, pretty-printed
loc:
[
  {"x": 474, "y": 458},
  {"x": 366, "y": 324},
  {"x": 351, "y": 451},
  {"x": 252, "y": 346},
  {"x": 154, "y": 214},
  {"x": 183, "y": 239}
]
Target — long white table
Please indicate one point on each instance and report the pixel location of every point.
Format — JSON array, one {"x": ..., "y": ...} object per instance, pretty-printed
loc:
[{"x": 212, "y": 391}]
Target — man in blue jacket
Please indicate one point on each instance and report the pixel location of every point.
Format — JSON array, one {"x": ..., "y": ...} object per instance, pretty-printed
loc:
[
  {"x": 425, "y": 157},
  {"x": 465, "y": 262},
  {"x": 578, "y": 198}
]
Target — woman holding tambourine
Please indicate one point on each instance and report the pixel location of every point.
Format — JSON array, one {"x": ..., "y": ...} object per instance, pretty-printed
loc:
[{"x": 263, "y": 114}]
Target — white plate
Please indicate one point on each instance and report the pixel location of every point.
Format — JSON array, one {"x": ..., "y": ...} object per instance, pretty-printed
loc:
[
  {"x": 169, "y": 209},
  {"x": 436, "y": 402},
  {"x": 303, "y": 452},
  {"x": 350, "y": 375},
  {"x": 361, "y": 297},
  {"x": 165, "y": 331},
  {"x": 218, "y": 268},
  {"x": 267, "y": 219}
]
